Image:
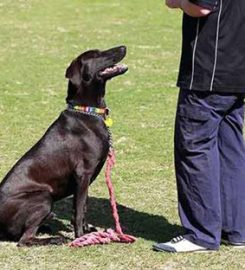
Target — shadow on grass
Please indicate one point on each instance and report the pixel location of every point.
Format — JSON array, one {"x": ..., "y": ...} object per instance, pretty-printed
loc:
[{"x": 140, "y": 224}]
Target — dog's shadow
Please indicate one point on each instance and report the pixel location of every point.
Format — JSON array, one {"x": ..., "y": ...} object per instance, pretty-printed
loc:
[{"x": 140, "y": 224}]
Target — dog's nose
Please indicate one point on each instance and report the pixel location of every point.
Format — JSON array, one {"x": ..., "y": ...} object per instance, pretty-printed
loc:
[{"x": 123, "y": 49}]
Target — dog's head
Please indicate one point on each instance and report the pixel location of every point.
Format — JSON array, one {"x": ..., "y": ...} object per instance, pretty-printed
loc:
[{"x": 89, "y": 72}]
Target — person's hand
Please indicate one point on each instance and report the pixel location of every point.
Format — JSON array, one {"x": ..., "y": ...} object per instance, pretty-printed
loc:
[{"x": 173, "y": 3}]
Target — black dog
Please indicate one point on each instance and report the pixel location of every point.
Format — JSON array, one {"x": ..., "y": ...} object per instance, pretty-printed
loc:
[{"x": 67, "y": 158}]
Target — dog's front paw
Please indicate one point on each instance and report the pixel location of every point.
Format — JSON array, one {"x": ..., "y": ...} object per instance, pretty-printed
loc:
[{"x": 79, "y": 232}]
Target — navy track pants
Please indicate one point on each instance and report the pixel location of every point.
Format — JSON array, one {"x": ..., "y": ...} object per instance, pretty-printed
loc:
[{"x": 210, "y": 166}]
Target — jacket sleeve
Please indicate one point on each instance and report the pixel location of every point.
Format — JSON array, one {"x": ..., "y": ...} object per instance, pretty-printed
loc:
[{"x": 209, "y": 4}]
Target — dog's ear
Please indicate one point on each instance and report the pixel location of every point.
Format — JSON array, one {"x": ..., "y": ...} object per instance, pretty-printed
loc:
[{"x": 73, "y": 73}]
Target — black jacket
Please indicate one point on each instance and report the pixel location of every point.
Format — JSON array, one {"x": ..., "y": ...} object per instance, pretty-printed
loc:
[{"x": 213, "y": 48}]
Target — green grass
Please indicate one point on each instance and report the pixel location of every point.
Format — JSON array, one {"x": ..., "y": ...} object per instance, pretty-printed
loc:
[{"x": 38, "y": 40}]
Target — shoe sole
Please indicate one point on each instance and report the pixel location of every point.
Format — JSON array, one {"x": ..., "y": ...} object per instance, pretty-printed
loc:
[
  {"x": 234, "y": 245},
  {"x": 191, "y": 251}
]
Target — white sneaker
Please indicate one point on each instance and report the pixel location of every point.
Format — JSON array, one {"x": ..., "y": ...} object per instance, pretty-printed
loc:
[{"x": 179, "y": 244}]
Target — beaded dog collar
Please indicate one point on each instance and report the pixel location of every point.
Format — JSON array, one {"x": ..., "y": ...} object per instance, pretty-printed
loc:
[
  {"x": 88, "y": 109},
  {"x": 102, "y": 112}
]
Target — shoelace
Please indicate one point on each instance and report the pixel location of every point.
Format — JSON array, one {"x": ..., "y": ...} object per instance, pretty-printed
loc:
[{"x": 177, "y": 239}]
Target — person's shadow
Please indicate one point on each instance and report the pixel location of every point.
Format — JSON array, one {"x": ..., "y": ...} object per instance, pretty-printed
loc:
[{"x": 139, "y": 224}]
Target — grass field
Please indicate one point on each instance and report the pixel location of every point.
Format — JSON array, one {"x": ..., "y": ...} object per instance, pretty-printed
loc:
[{"x": 38, "y": 39}]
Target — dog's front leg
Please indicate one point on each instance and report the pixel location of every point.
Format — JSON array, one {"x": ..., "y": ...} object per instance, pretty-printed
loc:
[{"x": 80, "y": 199}]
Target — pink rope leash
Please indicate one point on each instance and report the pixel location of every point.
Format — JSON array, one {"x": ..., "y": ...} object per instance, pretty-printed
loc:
[{"x": 109, "y": 235}]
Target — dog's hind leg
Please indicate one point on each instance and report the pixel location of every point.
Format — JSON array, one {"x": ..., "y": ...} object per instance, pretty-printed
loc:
[
  {"x": 45, "y": 228},
  {"x": 2, "y": 236},
  {"x": 39, "y": 211}
]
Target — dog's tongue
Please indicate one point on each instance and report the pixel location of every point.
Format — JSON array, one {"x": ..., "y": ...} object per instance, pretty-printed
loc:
[{"x": 116, "y": 69}]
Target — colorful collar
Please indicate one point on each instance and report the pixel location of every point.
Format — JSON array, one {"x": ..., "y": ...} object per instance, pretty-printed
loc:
[
  {"x": 93, "y": 110},
  {"x": 89, "y": 109}
]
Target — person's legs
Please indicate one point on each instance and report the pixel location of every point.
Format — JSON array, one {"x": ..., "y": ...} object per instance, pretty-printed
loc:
[
  {"x": 197, "y": 165},
  {"x": 232, "y": 173}
]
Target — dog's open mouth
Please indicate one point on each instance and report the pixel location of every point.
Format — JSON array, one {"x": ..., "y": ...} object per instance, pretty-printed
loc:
[{"x": 113, "y": 71}]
